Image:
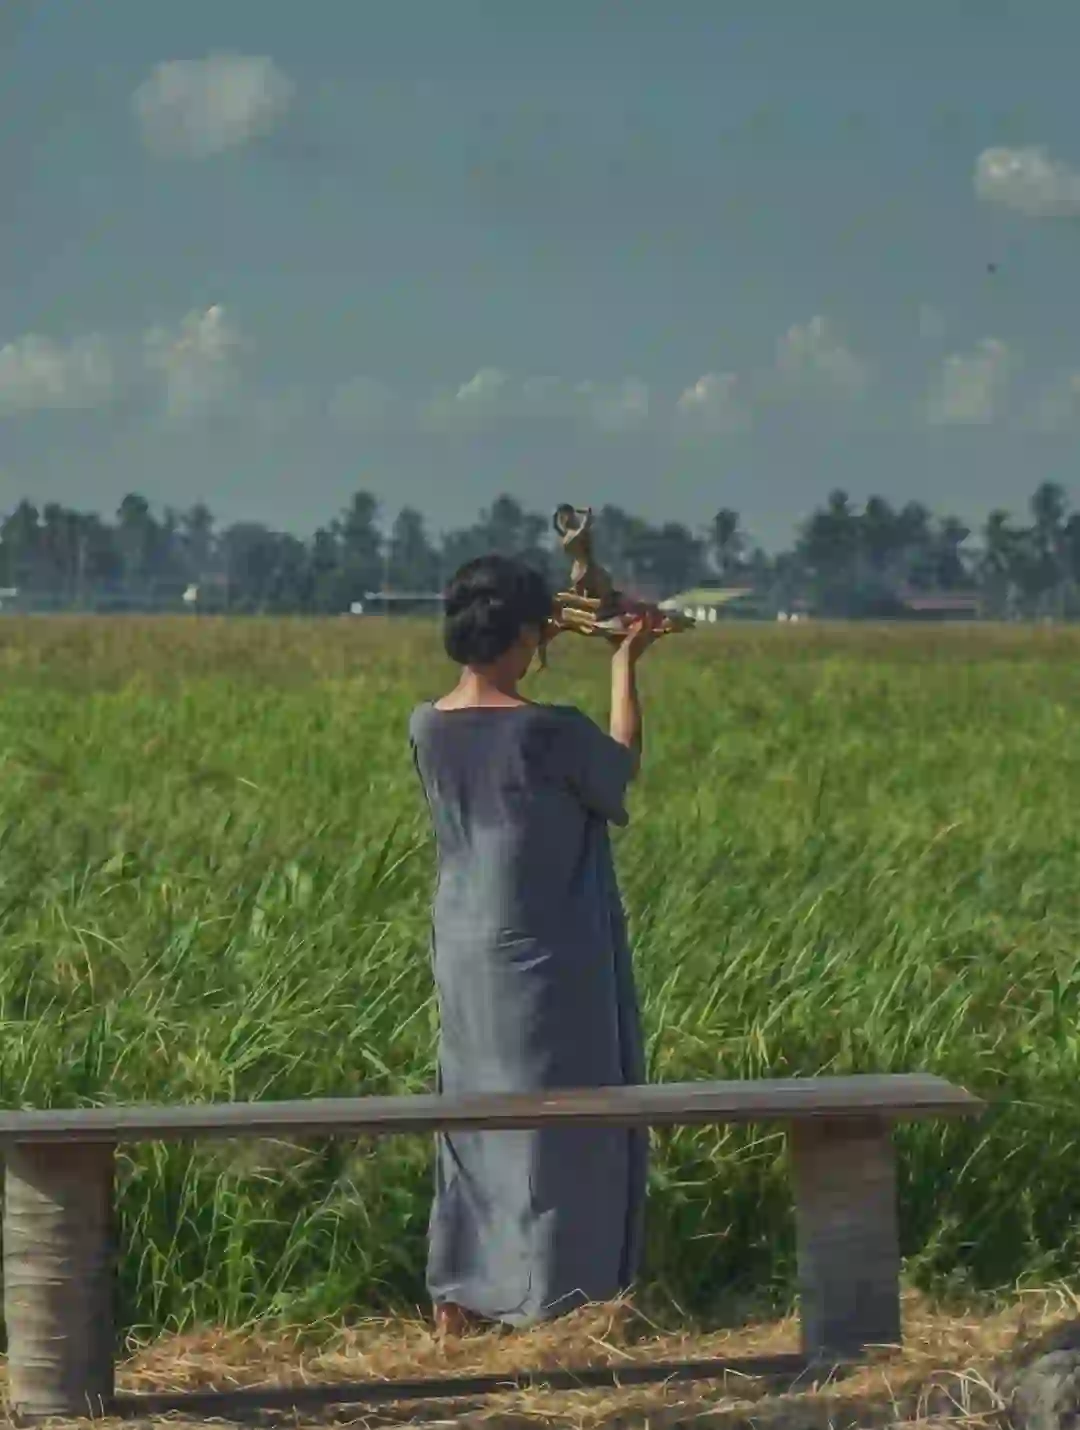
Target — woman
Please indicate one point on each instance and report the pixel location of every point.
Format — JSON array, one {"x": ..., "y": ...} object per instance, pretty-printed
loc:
[{"x": 532, "y": 967}]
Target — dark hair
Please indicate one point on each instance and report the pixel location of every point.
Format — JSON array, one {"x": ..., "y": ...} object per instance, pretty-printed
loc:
[{"x": 488, "y": 603}]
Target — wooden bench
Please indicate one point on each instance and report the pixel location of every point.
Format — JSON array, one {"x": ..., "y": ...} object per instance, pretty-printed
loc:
[{"x": 58, "y": 1207}]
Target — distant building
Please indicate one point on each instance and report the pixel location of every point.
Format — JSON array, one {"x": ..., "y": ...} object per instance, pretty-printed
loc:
[
  {"x": 398, "y": 603},
  {"x": 708, "y": 604},
  {"x": 940, "y": 605},
  {"x": 209, "y": 593}
]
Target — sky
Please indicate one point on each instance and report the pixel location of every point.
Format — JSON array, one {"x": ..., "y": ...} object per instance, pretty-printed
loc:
[{"x": 675, "y": 255}]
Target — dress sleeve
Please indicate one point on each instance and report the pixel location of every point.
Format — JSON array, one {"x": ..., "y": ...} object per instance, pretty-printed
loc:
[
  {"x": 596, "y": 768},
  {"x": 418, "y": 723}
]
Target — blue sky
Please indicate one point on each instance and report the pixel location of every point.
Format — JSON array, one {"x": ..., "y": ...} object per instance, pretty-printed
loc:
[{"x": 679, "y": 256}]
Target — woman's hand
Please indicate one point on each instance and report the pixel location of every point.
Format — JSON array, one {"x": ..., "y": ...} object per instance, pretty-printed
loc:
[{"x": 643, "y": 631}]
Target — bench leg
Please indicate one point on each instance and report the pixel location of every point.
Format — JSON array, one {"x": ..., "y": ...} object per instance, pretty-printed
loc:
[
  {"x": 58, "y": 1278},
  {"x": 848, "y": 1243}
]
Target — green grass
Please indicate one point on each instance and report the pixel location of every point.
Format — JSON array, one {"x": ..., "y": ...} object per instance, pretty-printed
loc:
[{"x": 851, "y": 850}]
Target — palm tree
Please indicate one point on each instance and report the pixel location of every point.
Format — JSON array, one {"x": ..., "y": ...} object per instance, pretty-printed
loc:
[
  {"x": 1004, "y": 566},
  {"x": 727, "y": 542},
  {"x": 1048, "y": 508}
]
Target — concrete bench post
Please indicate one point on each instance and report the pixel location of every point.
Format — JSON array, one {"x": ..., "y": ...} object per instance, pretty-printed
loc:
[
  {"x": 848, "y": 1242},
  {"x": 58, "y": 1278}
]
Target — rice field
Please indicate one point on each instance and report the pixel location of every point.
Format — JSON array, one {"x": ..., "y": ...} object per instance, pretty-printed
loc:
[{"x": 850, "y": 850}]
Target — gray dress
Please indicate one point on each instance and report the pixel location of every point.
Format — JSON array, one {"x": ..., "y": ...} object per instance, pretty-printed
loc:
[{"x": 535, "y": 990}]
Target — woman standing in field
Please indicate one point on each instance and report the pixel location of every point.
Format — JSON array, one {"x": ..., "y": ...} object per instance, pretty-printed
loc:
[{"x": 532, "y": 967}]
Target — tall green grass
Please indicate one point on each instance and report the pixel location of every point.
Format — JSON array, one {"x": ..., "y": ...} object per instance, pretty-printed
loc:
[{"x": 851, "y": 850}]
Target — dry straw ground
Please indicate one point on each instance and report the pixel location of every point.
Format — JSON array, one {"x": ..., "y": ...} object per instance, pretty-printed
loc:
[{"x": 947, "y": 1375}]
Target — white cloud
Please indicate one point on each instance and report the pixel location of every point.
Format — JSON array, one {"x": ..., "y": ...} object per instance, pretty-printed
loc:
[
  {"x": 714, "y": 405},
  {"x": 194, "y": 109},
  {"x": 486, "y": 391},
  {"x": 616, "y": 409},
  {"x": 492, "y": 396},
  {"x": 197, "y": 362},
  {"x": 971, "y": 387},
  {"x": 811, "y": 358},
  {"x": 486, "y": 398},
  {"x": 37, "y": 373},
  {"x": 1029, "y": 181}
]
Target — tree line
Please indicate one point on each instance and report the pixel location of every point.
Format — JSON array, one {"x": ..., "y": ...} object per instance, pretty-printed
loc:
[{"x": 845, "y": 561}]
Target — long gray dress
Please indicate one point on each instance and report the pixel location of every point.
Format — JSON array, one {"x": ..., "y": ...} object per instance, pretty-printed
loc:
[{"x": 535, "y": 990}]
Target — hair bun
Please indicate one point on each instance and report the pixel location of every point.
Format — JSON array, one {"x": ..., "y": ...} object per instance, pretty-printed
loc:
[{"x": 488, "y": 603}]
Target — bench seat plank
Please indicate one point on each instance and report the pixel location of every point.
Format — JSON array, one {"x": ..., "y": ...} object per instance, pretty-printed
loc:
[{"x": 891, "y": 1096}]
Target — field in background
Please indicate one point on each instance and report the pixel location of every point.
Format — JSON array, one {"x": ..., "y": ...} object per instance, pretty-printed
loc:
[{"x": 851, "y": 849}]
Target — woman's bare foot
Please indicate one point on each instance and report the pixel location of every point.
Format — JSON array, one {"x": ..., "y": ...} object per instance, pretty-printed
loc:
[{"x": 453, "y": 1321}]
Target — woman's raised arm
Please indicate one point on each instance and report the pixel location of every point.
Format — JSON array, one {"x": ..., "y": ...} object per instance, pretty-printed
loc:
[{"x": 625, "y": 723}]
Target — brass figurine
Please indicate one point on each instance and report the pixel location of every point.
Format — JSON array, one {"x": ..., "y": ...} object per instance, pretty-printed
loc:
[{"x": 593, "y": 606}]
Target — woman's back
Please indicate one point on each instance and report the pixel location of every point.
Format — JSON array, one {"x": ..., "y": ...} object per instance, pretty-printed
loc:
[{"x": 519, "y": 797}]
